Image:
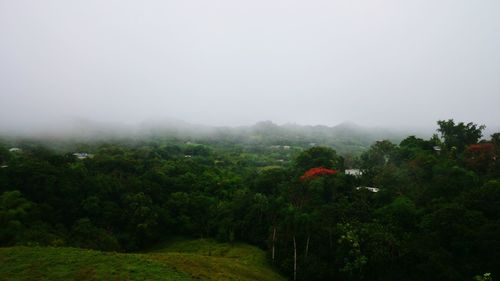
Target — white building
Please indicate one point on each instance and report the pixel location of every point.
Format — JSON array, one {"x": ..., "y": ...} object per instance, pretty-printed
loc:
[
  {"x": 372, "y": 189},
  {"x": 82, "y": 155},
  {"x": 354, "y": 172}
]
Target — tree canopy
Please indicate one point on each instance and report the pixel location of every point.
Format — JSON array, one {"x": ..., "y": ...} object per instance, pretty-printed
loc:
[{"x": 413, "y": 213}]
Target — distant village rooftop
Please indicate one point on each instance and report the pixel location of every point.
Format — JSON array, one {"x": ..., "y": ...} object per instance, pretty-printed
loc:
[
  {"x": 369, "y": 188},
  {"x": 354, "y": 172},
  {"x": 82, "y": 155}
]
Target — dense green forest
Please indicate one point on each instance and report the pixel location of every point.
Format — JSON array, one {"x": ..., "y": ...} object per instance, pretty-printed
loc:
[{"x": 433, "y": 212}]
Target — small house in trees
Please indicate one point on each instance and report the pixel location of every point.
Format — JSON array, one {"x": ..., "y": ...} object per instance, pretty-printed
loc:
[
  {"x": 354, "y": 172},
  {"x": 369, "y": 188},
  {"x": 82, "y": 155}
]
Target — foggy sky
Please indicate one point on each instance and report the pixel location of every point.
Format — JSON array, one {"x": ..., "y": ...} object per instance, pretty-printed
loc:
[{"x": 229, "y": 62}]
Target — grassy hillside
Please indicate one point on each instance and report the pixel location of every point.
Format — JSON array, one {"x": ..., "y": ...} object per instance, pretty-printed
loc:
[
  {"x": 210, "y": 260},
  {"x": 47, "y": 263},
  {"x": 179, "y": 260}
]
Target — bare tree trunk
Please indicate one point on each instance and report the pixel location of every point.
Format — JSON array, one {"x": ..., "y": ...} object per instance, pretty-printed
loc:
[
  {"x": 274, "y": 240},
  {"x": 294, "y": 259},
  {"x": 307, "y": 245},
  {"x": 330, "y": 237}
]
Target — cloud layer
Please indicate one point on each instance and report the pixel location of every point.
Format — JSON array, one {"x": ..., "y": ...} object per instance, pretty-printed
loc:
[{"x": 377, "y": 62}]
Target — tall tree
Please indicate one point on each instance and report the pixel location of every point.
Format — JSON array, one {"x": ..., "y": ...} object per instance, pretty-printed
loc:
[
  {"x": 459, "y": 135},
  {"x": 318, "y": 156}
]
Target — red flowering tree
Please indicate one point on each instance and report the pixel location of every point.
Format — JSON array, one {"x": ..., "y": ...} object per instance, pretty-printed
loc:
[
  {"x": 316, "y": 172},
  {"x": 305, "y": 198},
  {"x": 481, "y": 148},
  {"x": 481, "y": 157}
]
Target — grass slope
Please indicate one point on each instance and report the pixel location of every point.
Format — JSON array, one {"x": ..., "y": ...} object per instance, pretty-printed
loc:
[
  {"x": 209, "y": 260},
  {"x": 47, "y": 263},
  {"x": 178, "y": 260}
]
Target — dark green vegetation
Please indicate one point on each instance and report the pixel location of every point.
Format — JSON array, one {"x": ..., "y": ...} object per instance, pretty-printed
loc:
[
  {"x": 178, "y": 261},
  {"x": 436, "y": 216}
]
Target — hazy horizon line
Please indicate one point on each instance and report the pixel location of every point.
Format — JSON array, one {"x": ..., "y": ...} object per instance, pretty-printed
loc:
[{"x": 75, "y": 125}]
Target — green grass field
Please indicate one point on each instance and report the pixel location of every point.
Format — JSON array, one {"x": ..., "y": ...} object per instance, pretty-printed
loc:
[{"x": 177, "y": 260}]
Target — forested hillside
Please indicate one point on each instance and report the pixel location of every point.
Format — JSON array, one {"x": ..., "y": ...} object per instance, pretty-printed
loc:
[
  {"x": 420, "y": 209},
  {"x": 345, "y": 138}
]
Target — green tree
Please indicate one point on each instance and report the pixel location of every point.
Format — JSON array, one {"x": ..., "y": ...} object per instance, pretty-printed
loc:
[
  {"x": 86, "y": 235},
  {"x": 484, "y": 277},
  {"x": 380, "y": 153},
  {"x": 318, "y": 156},
  {"x": 13, "y": 212},
  {"x": 495, "y": 139},
  {"x": 141, "y": 217},
  {"x": 459, "y": 135}
]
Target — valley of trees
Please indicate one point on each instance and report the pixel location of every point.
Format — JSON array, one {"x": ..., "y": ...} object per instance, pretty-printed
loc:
[{"x": 436, "y": 215}]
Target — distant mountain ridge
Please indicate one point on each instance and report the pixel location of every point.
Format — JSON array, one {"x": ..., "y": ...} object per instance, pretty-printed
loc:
[{"x": 344, "y": 137}]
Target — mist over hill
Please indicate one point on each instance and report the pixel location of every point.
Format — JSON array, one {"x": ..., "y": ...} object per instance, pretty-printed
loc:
[{"x": 344, "y": 137}]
